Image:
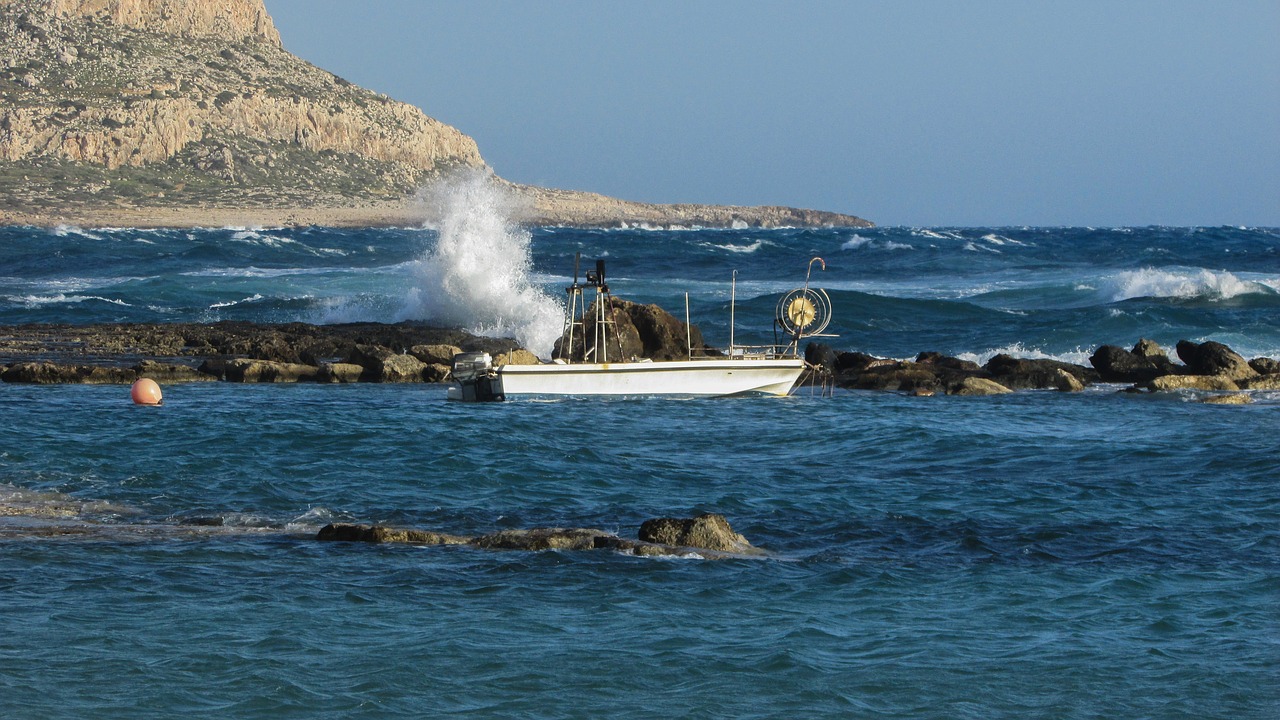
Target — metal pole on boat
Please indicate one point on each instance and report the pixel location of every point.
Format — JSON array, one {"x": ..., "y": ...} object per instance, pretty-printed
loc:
[
  {"x": 733, "y": 301},
  {"x": 688, "y": 332}
]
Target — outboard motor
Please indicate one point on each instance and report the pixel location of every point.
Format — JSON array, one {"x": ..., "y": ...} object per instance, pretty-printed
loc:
[{"x": 477, "y": 380}]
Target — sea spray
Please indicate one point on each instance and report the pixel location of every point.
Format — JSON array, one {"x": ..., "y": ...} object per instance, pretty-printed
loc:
[{"x": 476, "y": 275}]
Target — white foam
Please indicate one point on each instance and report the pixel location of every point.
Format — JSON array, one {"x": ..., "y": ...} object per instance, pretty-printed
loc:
[
  {"x": 857, "y": 242},
  {"x": 972, "y": 247},
  {"x": 1079, "y": 356},
  {"x": 1180, "y": 283},
  {"x": 476, "y": 275},
  {"x": 744, "y": 249},
  {"x": 252, "y": 298},
  {"x": 61, "y": 299}
]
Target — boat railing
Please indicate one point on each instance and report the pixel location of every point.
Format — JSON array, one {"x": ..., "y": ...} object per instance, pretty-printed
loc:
[{"x": 754, "y": 352}]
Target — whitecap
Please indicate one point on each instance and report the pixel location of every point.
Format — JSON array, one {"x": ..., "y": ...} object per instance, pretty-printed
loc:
[
  {"x": 32, "y": 301},
  {"x": 1177, "y": 283},
  {"x": 744, "y": 249},
  {"x": 229, "y": 303},
  {"x": 1078, "y": 356},
  {"x": 972, "y": 247}
]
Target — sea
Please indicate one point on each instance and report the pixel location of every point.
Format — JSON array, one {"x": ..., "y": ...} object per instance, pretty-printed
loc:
[{"x": 1100, "y": 554}]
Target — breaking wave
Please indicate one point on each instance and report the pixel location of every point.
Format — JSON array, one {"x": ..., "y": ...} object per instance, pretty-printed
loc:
[
  {"x": 1179, "y": 284},
  {"x": 476, "y": 275}
]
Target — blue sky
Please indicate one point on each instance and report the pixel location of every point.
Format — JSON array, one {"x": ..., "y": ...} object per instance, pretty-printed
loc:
[{"x": 905, "y": 113}]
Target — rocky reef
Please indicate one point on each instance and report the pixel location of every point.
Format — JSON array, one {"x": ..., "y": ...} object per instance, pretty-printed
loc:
[
  {"x": 415, "y": 352},
  {"x": 707, "y": 535},
  {"x": 146, "y": 113},
  {"x": 1207, "y": 367}
]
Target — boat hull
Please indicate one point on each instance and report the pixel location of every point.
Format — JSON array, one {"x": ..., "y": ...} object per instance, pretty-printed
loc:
[{"x": 688, "y": 378}]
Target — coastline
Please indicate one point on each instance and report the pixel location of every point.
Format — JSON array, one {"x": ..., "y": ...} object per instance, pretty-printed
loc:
[{"x": 533, "y": 206}]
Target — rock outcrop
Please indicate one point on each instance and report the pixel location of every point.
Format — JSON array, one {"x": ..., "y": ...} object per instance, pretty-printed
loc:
[
  {"x": 638, "y": 331},
  {"x": 228, "y": 19},
  {"x": 708, "y": 535}
]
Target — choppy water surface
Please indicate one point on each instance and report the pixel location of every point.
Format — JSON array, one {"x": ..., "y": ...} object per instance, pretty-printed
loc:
[{"x": 1040, "y": 554}]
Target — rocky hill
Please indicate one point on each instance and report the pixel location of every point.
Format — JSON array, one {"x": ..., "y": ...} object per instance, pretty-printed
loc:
[{"x": 185, "y": 112}]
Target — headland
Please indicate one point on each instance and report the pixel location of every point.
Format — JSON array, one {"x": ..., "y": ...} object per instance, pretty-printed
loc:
[{"x": 181, "y": 113}]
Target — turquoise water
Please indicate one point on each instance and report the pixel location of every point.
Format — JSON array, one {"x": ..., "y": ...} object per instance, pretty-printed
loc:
[{"x": 1032, "y": 555}]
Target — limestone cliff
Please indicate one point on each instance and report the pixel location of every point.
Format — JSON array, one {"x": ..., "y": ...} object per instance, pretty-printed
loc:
[
  {"x": 171, "y": 111},
  {"x": 228, "y": 19}
]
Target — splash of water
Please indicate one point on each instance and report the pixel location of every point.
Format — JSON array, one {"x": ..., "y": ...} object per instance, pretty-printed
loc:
[{"x": 477, "y": 273}]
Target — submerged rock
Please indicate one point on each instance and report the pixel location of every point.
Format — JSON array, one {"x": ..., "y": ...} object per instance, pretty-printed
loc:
[
  {"x": 663, "y": 536},
  {"x": 351, "y": 532},
  {"x": 1193, "y": 382},
  {"x": 707, "y": 531},
  {"x": 1237, "y": 399},
  {"x": 542, "y": 539}
]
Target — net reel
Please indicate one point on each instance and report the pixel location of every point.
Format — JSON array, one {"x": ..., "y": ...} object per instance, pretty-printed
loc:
[{"x": 805, "y": 311}]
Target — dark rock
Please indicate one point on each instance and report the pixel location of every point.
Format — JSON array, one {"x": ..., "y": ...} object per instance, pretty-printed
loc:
[
  {"x": 1213, "y": 358},
  {"x": 1115, "y": 364},
  {"x": 853, "y": 362},
  {"x": 541, "y": 539},
  {"x": 938, "y": 360},
  {"x": 708, "y": 531},
  {"x": 642, "y": 331},
  {"x": 1025, "y": 374},
  {"x": 892, "y": 375},
  {"x": 1265, "y": 365},
  {"x": 820, "y": 355}
]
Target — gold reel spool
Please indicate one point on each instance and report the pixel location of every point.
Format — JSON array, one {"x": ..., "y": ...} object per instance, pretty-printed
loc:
[{"x": 804, "y": 312}]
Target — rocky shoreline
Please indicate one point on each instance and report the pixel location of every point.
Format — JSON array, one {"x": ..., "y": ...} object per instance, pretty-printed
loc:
[
  {"x": 415, "y": 352},
  {"x": 1208, "y": 367}
]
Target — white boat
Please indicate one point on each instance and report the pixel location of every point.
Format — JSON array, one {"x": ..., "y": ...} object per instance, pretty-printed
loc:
[{"x": 584, "y": 367}]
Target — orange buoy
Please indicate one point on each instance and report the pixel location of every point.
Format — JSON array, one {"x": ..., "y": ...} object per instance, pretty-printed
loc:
[{"x": 146, "y": 392}]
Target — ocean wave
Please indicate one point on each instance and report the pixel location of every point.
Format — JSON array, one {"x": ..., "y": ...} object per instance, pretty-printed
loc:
[
  {"x": 730, "y": 247},
  {"x": 32, "y": 301},
  {"x": 974, "y": 247},
  {"x": 995, "y": 239},
  {"x": 1183, "y": 284},
  {"x": 231, "y": 303},
  {"x": 1078, "y": 356},
  {"x": 70, "y": 230},
  {"x": 858, "y": 242}
]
